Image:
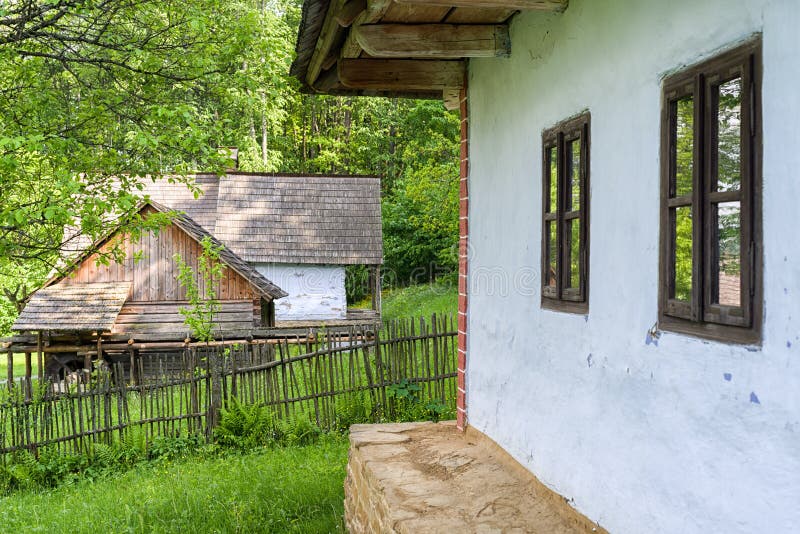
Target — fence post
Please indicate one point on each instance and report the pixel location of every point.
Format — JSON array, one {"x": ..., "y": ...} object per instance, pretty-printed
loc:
[
  {"x": 10, "y": 370},
  {"x": 379, "y": 371},
  {"x": 216, "y": 390}
]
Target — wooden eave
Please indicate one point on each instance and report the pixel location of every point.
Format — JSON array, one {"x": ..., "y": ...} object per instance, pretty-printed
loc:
[{"x": 405, "y": 48}]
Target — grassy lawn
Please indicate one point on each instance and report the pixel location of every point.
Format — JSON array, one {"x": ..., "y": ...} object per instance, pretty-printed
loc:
[
  {"x": 19, "y": 365},
  {"x": 421, "y": 300},
  {"x": 296, "y": 489}
]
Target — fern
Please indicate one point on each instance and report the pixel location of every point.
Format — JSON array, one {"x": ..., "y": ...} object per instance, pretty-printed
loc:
[
  {"x": 105, "y": 456},
  {"x": 132, "y": 445},
  {"x": 245, "y": 426}
]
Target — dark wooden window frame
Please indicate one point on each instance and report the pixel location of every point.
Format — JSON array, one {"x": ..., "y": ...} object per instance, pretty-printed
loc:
[
  {"x": 561, "y": 297},
  {"x": 701, "y": 316}
]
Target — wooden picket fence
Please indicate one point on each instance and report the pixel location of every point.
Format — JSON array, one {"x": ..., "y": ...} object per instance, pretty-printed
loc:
[{"x": 317, "y": 376}]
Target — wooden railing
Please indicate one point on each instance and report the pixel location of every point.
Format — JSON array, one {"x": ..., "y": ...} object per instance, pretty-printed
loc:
[{"x": 321, "y": 376}]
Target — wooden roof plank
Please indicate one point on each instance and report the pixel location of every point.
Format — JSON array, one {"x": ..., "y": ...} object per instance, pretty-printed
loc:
[
  {"x": 522, "y": 5},
  {"x": 398, "y": 74},
  {"x": 434, "y": 41},
  {"x": 83, "y": 307}
]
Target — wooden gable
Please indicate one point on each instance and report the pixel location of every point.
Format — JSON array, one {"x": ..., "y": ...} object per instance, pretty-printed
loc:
[{"x": 150, "y": 266}]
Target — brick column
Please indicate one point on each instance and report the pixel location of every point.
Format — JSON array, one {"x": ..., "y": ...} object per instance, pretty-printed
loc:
[{"x": 463, "y": 248}]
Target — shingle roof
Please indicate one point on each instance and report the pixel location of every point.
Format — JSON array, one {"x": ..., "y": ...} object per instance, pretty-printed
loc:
[
  {"x": 275, "y": 218},
  {"x": 82, "y": 307},
  {"x": 202, "y": 208},
  {"x": 185, "y": 223}
]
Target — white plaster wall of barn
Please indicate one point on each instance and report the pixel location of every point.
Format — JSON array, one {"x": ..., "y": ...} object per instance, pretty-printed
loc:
[
  {"x": 316, "y": 292},
  {"x": 683, "y": 435}
]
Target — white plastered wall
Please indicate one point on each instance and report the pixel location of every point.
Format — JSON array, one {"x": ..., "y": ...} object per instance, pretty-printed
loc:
[
  {"x": 316, "y": 292},
  {"x": 680, "y": 436}
]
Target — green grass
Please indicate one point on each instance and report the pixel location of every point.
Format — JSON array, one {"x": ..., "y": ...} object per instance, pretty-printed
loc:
[
  {"x": 19, "y": 365},
  {"x": 421, "y": 300},
  {"x": 295, "y": 489}
]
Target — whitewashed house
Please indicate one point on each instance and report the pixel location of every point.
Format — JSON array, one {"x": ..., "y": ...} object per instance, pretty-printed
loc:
[
  {"x": 629, "y": 317},
  {"x": 300, "y": 231}
]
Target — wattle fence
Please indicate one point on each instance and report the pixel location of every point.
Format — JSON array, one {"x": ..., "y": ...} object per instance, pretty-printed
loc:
[{"x": 332, "y": 378}]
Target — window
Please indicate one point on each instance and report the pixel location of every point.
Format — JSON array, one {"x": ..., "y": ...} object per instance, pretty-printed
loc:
[
  {"x": 710, "y": 199},
  {"x": 565, "y": 216}
]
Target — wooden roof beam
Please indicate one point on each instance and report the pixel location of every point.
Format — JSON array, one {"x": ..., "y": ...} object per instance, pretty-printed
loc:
[
  {"x": 433, "y": 41},
  {"x": 327, "y": 36},
  {"x": 401, "y": 74},
  {"x": 350, "y": 12},
  {"x": 523, "y": 5}
]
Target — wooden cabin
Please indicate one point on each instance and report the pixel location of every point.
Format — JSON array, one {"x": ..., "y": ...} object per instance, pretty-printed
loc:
[
  {"x": 139, "y": 299},
  {"x": 300, "y": 231}
]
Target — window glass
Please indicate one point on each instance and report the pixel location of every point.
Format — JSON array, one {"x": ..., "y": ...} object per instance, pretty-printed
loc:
[
  {"x": 727, "y": 273},
  {"x": 573, "y": 198},
  {"x": 684, "y": 146},
  {"x": 682, "y": 245},
  {"x": 552, "y": 248},
  {"x": 573, "y": 250},
  {"x": 552, "y": 158},
  {"x": 729, "y": 135}
]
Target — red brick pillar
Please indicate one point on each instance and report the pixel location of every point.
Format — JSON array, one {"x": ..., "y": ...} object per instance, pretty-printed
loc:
[{"x": 463, "y": 248}]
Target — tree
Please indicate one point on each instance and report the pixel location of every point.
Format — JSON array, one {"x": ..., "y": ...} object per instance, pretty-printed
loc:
[{"x": 94, "y": 94}]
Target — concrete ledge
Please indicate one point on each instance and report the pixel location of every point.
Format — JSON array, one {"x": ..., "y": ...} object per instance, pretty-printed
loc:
[{"x": 430, "y": 478}]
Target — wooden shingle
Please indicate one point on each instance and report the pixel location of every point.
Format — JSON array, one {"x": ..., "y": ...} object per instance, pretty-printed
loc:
[
  {"x": 84, "y": 307},
  {"x": 274, "y": 218}
]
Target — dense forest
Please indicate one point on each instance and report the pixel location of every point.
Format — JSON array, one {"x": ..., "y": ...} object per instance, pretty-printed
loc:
[{"x": 95, "y": 93}]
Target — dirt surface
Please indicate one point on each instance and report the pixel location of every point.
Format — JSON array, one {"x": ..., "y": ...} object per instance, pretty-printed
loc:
[{"x": 425, "y": 478}]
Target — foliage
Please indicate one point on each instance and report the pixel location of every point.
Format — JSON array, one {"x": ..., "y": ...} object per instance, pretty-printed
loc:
[
  {"x": 159, "y": 89},
  {"x": 246, "y": 426},
  {"x": 352, "y": 409},
  {"x": 52, "y": 468},
  {"x": 294, "y": 489},
  {"x": 95, "y": 90},
  {"x": 409, "y": 405},
  {"x": 421, "y": 300},
  {"x": 201, "y": 290}
]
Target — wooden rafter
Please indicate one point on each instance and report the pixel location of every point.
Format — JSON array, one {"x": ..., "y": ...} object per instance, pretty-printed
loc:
[
  {"x": 434, "y": 41},
  {"x": 350, "y": 12},
  {"x": 401, "y": 74},
  {"x": 327, "y": 36},
  {"x": 525, "y": 5}
]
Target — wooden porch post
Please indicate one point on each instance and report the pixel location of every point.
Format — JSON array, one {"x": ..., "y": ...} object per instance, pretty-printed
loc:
[
  {"x": 39, "y": 357},
  {"x": 375, "y": 287},
  {"x": 28, "y": 373}
]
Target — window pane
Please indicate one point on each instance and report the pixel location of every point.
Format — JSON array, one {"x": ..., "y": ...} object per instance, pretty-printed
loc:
[
  {"x": 552, "y": 254},
  {"x": 572, "y": 277},
  {"x": 684, "y": 146},
  {"x": 729, "y": 126},
  {"x": 727, "y": 268},
  {"x": 553, "y": 179},
  {"x": 682, "y": 247},
  {"x": 573, "y": 199}
]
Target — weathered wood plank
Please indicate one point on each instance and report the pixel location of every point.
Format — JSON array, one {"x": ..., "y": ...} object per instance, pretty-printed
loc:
[
  {"x": 350, "y": 11},
  {"x": 467, "y": 15},
  {"x": 399, "y": 75},
  {"x": 523, "y": 5},
  {"x": 375, "y": 11},
  {"x": 410, "y": 13},
  {"x": 433, "y": 41},
  {"x": 327, "y": 37}
]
